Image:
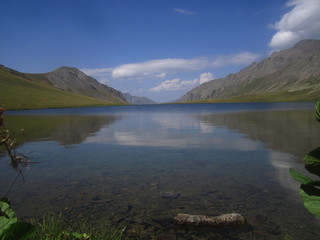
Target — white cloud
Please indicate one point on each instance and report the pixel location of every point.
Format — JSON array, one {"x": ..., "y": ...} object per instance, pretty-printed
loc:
[
  {"x": 184, "y": 11},
  {"x": 242, "y": 58},
  {"x": 173, "y": 85},
  {"x": 205, "y": 77},
  {"x": 163, "y": 67},
  {"x": 235, "y": 59},
  {"x": 159, "y": 67},
  {"x": 302, "y": 22},
  {"x": 177, "y": 84},
  {"x": 97, "y": 71}
]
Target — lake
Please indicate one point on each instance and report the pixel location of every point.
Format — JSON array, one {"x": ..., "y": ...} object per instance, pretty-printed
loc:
[{"x": 139, "y": 166}]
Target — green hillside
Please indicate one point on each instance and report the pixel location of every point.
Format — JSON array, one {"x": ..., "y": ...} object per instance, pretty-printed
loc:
[
  {"x": 304, "y": 95},
  {"x": 19, "y": 92}
]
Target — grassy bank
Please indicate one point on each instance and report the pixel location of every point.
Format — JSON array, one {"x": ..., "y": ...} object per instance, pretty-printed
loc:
[{"x": 52, "y": 228}]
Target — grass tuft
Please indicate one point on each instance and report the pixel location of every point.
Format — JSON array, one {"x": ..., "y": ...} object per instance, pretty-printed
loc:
[{"x": 51, "y": 228}]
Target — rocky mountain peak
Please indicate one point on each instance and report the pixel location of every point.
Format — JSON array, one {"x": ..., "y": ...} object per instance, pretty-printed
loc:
[
  {"x": 287, "y": 71},
  {"x": 71, "y": 79},
  {"x": 308, "y": 44}
]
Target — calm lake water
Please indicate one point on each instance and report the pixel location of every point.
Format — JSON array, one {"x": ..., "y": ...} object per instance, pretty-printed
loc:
[{"x": 139, "y": 166}]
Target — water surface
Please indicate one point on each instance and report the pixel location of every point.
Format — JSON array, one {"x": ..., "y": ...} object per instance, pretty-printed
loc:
[{"x": 138, "y": 166}]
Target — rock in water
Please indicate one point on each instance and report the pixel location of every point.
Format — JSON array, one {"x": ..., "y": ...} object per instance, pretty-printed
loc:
[
  {"x": 224, "y": 219},
  {"x": 169, "y": 195}
]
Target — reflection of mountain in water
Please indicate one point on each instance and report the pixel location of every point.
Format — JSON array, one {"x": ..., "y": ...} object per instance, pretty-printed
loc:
[
  {"x": 66, "y": 130},
  {"x": 294, "y": 132}
]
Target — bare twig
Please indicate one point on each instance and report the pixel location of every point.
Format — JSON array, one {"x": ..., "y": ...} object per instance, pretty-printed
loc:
[
  {"x": 224, "y": 219},
  {"x": 17, "y": 159}
]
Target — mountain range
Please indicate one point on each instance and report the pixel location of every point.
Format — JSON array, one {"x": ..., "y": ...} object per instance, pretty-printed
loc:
[
  {"x": 63, "y": 87},
  {"x": 288, "y": 75},
  {"x": 137, "y": 100}
]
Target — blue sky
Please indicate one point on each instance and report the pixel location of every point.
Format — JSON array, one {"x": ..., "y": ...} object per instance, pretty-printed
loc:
[{"x": 155, "y": 48}]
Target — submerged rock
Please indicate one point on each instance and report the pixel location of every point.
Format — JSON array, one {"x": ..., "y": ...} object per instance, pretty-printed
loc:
[
  {"x": 257, "y": 220},
  {"x": 170, "y": 195},
  {"x": 163, "y": 221},
  {"x": 96, "y": 198},
  {"x": 167, "y": 236}
]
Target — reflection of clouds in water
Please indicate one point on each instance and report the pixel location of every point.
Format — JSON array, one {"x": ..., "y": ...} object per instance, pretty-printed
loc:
[
  {"x": 242, "y": 144},
  {"x": 175, "y": 121},
  {"x": 282, "y": 162},
  {"x": 174, "y": 132},
  {"x": 150, "y": 140},
  {"x": 205, "y": 127}
]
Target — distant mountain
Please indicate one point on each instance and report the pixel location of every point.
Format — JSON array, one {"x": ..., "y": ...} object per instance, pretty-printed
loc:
[
  {"x": 287, "y": 75},
  {"x": 30, "y": 91},
  {"x": 137, "y": 100},
  {"x": 73, "y": 80}
]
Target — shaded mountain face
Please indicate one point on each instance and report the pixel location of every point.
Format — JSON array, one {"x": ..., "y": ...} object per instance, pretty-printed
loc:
[
  {"x": 137, "y": 100},
  {"x": 293, "y": 70},
  {"x": 73, "y": 80}
]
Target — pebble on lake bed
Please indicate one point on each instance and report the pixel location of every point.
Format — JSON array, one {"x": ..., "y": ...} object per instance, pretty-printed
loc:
[{"x": 169, "y": 195}]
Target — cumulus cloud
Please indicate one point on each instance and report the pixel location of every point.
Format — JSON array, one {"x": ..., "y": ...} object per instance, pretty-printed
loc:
[
  {"x": 184, "y": 11},
  {"x": 177, "y": 84},
  {"x": 173, "y": 85},
  {"x": 302, "y": 22},
  {"x": 205, "y": 77}
]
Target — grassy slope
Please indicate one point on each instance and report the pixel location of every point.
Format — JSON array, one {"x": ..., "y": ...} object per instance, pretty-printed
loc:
[
  {"x": 20, "y": 93},
  {"x": 305, "y": 95}
]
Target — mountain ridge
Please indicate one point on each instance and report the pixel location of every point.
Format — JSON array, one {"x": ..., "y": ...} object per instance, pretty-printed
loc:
[
  {"x": 138, "y": 100},
  {"x": 73, "y": 80},
  {"x": 293, "y": 69},
  {"x": 33, "y": 91}
]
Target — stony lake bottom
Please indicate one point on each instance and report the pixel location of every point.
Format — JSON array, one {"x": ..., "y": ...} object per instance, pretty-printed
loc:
[{"x": 139, "y": 166}]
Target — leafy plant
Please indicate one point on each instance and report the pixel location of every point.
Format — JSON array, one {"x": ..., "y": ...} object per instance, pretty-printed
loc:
[
  {"x": 309, "y": 188},
  {"x": 49, "y": 229},
  {"x": 10, "y": 227}
]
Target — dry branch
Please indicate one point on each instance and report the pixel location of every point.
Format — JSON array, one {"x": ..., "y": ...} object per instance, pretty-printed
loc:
[{"x": 224, "y": 219}]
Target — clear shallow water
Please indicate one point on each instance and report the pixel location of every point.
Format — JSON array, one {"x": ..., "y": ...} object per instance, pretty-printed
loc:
[{"x": 138, "y": 166}]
